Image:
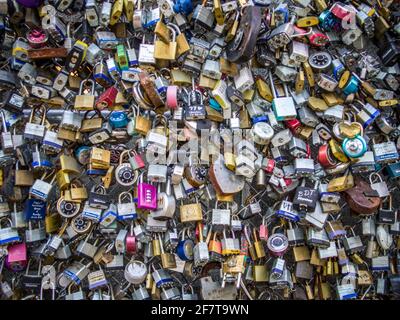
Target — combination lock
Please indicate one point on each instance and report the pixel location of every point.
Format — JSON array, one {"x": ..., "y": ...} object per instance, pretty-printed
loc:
[
  {"x": 125, "y": 175},
  {"x": 354, "y": 147},
  {"x": 67, "y": 209},
  {"x": 80, "y": 225},
  {"x": 320, "y": 60},
  {"x": 196, "y": 175},
  {"x": 277, "y": 244}
]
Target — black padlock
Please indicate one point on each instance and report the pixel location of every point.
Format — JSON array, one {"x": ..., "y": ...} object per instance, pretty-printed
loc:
[
  {"x": 305, "y": 198},
  {"x": 98, "y": 197},
  {"x": 390, "y": 50},
  {"x": 195, "y": 110},
  {"x": 386, "y": 213},
  {"x": 14, "y": 102}
]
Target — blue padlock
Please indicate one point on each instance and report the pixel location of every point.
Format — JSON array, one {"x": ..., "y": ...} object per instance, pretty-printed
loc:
[
  {"x": 215, "y": 105},
  {"x": 96, "y": 172},
  {"x": 184, "y": 250},
  {"x": 328, "y": 22},
  {"x": 118, "y": 119},
  {"x": 82, "y": 154},
  {"x": 35, "y": 209},
  {"x": 183, "y": 6},
  {"x": 354, "y": 147},
  {"x": 263, "y": 118},
  {"x": 351, "y": 86}
]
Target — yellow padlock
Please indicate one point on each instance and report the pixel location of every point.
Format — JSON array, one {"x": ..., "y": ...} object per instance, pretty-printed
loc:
[
  {"x": 166, "y": 51},
  {"x": 129, "y": 8},
  {"x": 307, "y": 22},
  {"x": 116, "y": 11},
  {"x": 264, "y": 90},
  {"x": 337, "y": 151}
]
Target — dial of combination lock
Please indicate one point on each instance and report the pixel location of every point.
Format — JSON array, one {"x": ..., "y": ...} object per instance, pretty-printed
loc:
[
  {"x": 196, "y": 175},
  {"x": 80, "y": 224},
  {"x": 67, "y": 209},
  {"x": 125, "y": 175},
  {"x": 277, "y": 243},
  {"x": 320, "y": 60}
]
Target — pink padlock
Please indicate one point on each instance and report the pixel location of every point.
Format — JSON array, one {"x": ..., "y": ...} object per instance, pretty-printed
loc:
[
  {"x": 130, "y": 241},
  {"x": 136, "y": 160},
  {"x": 147, "y": 195},
  {"x": 263, "y": 230},
  {"x": 340, "y": 10},
  {"x": 172, "y": 97},
  {"x": 17, "y": 258}
]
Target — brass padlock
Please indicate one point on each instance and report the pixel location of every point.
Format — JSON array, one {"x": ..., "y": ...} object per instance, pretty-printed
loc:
[
  {"x": 301, "y": 253},
  {"x": 142, "y": 125},
  {"x": 260, "y": 273},
  {"x": 63, "y": 180},
  {"x": 23, "y": 178},
  {"x": 78, "y": 191},
  {"x": 100, "y": 156},
  {"x": 85, "y": 102},
  {"x": 166, "y": 51},
  {"x": 191, "y": 212},
  {"x": 341, "y": 183},
  {"x": 93, "y": 123},
  {"x": 69, "y": 164}
]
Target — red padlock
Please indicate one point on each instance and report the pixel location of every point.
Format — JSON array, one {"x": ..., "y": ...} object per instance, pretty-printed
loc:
[
  {"x": 308, "y": 151},
  {"x": 107, "y": 98},
  {"x": 269, "y": 166},
  {"x": 293, "y": 125},
  {"x": 288, "y": 181},
  {"x": 314, "y": 36},
  {"x": 37, "y": 38},
  {"x": 324, "y": 157}
]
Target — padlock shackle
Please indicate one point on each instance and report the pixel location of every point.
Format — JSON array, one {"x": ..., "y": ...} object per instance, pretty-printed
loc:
[
  {"x": 83, "y": 83},
  {"x": 123, "y": 195},
  {"x": 375, "y": 174}
]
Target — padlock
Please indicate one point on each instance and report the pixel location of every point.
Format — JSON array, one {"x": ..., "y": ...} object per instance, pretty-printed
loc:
[
  {"x": 353, "y": 244},
  {"x": 126, "y": 210},
  {"x": 147, "y": 195},
  {"x": 98, "y": 197},
  {"x": 283, "y": 107},
  {"x": 166, "y": 51},
  {"x": 146, "y": 53},
  {"x": 200, "y": 251},
  {"x": 191, "y": 212},
  {"x": 42, "y": 189},
  {"x": 35, "y": 233},
  {"x": 34, "y": 131},
  {"x": 8, "y": 235},
  {"x": 124, "y": 173},
  {"x": 85, "y": 102}
]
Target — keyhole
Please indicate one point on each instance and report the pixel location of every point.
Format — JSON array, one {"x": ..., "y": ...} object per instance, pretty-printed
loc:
[{"x": 370, "y": 200}]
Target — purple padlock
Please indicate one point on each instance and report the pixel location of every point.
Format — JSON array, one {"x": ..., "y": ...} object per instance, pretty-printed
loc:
[
  {"x": 30, "y": 3},
  {"x": 146, "y": 195}
]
